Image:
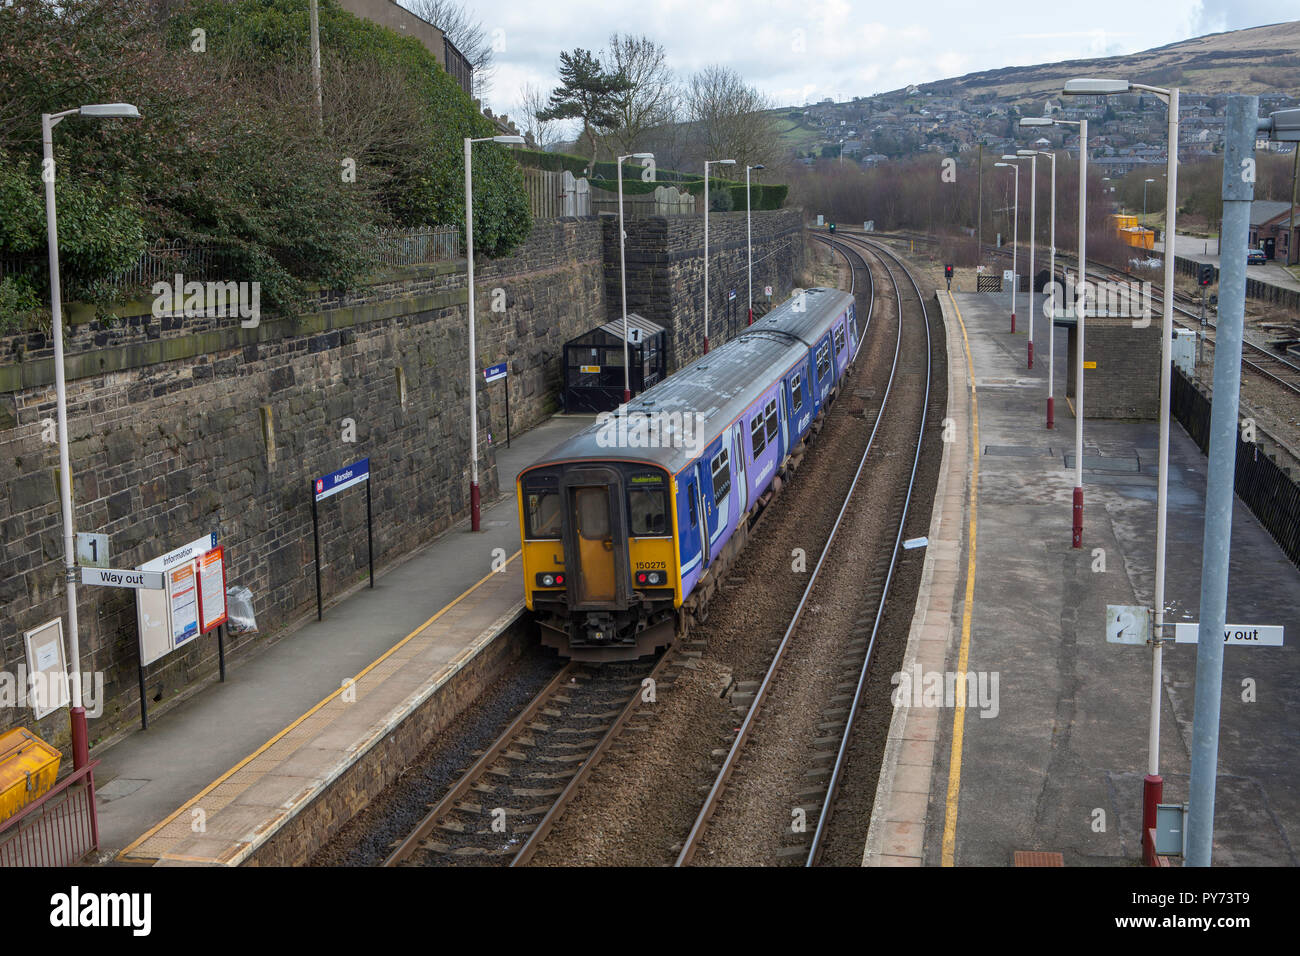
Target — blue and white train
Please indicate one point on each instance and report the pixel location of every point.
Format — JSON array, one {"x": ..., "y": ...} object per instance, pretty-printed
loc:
[{"x": 629, "y": 525}]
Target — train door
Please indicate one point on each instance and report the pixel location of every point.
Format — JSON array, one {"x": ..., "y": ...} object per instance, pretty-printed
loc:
[
  {"x": 688, "y": 529},
  {"x": 741, "y": 481},
  {"x": 706, "y": 529},
  {"x": 785, "y": 423},
  {"x": 596, "y": 538},
  {"x": 855, "y": 339}
]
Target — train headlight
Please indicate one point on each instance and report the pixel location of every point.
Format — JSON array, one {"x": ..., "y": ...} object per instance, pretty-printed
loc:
[
  {"x": 650, "y": 578},
  {"x": 548, "y": 580}
]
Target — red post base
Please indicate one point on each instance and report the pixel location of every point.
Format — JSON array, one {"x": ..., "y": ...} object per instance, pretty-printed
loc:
[
  {"x": 751, "y": 317},
  {"x": 1013, "y": 323},
  {"x": 1051, "y": 412},
  {"x": 1031, "y": 354},
  {"x": 627, "y": 396},
  {"x": 474, "y": 517},
  {"x": 80, "y": 739},
  {"x": 1078, "y": 517},
  {"x": 706, "y": 345},
  {"x": 1153, "y": 788}
]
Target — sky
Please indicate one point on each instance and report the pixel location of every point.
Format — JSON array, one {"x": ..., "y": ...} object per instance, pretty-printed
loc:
[{"x": 797, "y": 51}]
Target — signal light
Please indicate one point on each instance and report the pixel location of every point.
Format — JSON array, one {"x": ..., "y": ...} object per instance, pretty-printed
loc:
[
  {"x": 947, "y": 272},
  {"x": 832, "y": 227},
  {"x": 1205, "y": 273},
  {"x": 548, "y": 580}
]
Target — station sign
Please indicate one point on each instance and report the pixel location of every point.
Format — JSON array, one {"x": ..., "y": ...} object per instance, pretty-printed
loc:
[
  {"x": 1234, "y": 635},
  {"x": 196, "y": 548},
  {"x": 1127, "y": 624},
  {"x": 118, "y": 578},
  {"x": 767, "y": 291},
  {"x": 337, "y": 481},
  {"x": 731, "y": 296},
  {"x": 589, "y": 368},
  {"x": 494, "y": 372}
]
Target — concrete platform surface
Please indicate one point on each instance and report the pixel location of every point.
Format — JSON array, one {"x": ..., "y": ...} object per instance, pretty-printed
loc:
[
  {"x": 1052, "y": 749},
  {"x": 279, "y": 726}
]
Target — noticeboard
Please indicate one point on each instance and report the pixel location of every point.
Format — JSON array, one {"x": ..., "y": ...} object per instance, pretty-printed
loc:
[
  {"x": 183, "y": 603},
  {"x": 212, "y": 589},
  {"x": 47, "y": 668}
]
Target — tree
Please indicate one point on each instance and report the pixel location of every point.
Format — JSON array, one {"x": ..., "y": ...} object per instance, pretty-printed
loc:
[
  {"x": 531, "y": 103},
  {"x": 588, "y": 92},
  {"x": 650, "y": 100},
  {"x": 465, "y": 33},
  {"x": 728, "y": 118}
]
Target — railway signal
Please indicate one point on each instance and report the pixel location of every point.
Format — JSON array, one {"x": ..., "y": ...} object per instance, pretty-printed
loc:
[
  {"x": 1205, "y": 274},
  {"x": 832, "y": 227}
]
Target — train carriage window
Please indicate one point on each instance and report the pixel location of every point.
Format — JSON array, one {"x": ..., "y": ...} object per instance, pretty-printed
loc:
[
  {"x": 592, "y": 505},
  {"x": 823, "y": 361},
  {"x": 796, "y": 389},
  {"x": 773, "y": 426},
  {"x": 721, "y": 468},
  {"x": 543, "y": 514},
  {"x": 690, "y": 503},
  {"x": 756, "y": 440},
  {"x": 649, "y": 511},
  {"x": 839, "y": 340}
]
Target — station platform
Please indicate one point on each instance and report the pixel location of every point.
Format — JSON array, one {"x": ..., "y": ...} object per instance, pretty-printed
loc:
[
  {"x": 1050, "y": 759},
  {"x": 213, "y": 779}
]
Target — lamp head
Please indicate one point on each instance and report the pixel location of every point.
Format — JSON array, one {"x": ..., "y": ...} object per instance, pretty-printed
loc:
[
  {"x": 1008, "y": 165},
  {"x": 1037, "y": 121},
  {"x": 1094, "y": 87},
  {"x": 724, "y": 162},
  {"x": 509, "y": 140},
  {"x": 759, "y": 166},
  {"x": 111, "y": 111},
  {"x": 1027, "y": 153},
  {"x": 1010, "y": 156}
]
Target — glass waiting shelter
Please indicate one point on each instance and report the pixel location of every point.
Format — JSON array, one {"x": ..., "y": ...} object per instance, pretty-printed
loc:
[{"x": 593, "y": 364}]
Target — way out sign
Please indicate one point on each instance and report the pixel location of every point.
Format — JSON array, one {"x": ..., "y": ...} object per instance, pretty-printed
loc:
[
  {"x": 1234, "y": 635},
  {"x": 114, "y": 578}
]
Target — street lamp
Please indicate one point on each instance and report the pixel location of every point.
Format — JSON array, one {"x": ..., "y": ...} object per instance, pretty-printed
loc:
[
  {"x": 80, "y": 738},
  {"x": 1032, "y": 155},
  {"x": 473, "y": 356},
  {"x": 749, "y": 241},
  {"x": 1170, "y": 98},
  {"x": 707, "y": 164},
  {"x": 1144, "y": 199},
  {"x": 622, "y": 269},
  {"x": 1051, "y": 314},
  {"x": 1015, "y": 239}
]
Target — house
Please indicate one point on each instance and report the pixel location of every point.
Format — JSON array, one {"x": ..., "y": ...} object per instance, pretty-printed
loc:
[
  {"x": 388, "y": 14},
  {"x": 1272, "y": 230}
]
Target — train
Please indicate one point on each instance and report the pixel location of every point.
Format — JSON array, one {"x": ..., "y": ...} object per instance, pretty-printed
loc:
[{"x": 627, "y": 526}]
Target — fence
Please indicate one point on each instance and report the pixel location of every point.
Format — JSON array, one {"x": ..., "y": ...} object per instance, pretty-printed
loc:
[
  {"x": 1259, "y": 482},
  {"x": 409, "y": 247},
  {"x": 555, "y": 194},
  {"x": 59, "y": 829},
  {"x": 664, "y": 201}
]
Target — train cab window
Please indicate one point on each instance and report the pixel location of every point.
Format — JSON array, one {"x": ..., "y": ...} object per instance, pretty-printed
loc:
[
  {"x": 823, "y": 362},
  {"x": 648, "y": 511},
  {"x": 773, "y": 426},
  {"x": 543, "y": 514},
  {"x": 839, "y": 340},
  {"x": 592, "y": 506},
  {"x": 796, "y": 389},
  {"x": 721, "y": 468},
  {"x": 756, "y": 440}
]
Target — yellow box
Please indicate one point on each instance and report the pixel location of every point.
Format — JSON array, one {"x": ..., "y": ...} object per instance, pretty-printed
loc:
[{"x": 28, "y": 768}]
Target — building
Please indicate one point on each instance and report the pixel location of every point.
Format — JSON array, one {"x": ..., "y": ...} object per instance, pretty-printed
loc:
[
  {"x": 1269, "y": 222},
  {"x": 388, "y": 14}
]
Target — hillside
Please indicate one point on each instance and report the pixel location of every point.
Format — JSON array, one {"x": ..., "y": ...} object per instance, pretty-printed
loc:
[{"x": 1259, "y": 60}]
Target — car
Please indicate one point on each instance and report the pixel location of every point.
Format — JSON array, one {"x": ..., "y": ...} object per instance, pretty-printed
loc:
[{"x": 1255, "y": 257}]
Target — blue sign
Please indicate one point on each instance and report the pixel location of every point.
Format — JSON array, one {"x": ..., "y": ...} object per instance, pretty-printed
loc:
[
  {"x": 731, "y": 295},
  {"x": 336, "y": 481},
  {"x": 494, "y": 372}
]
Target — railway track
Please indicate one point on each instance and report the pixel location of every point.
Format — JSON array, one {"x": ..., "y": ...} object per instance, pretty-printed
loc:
[
  {"x": 500, "y": 810},
  {"x": 845, "y": 678}
]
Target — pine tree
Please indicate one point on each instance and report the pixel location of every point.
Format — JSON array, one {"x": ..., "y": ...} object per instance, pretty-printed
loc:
[{"x": 588, "y": 92}]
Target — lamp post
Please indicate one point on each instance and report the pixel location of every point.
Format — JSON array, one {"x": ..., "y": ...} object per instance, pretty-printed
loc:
[
  {"x": 707, "y": 164},
  {"x": 1144, "y": 199},
  {"x": 622, "y": 269},
  {"x": 474, "y": 515},
  {"x": 1033, "y": 234},
  {"x": 1015, "y": 239},
  {"x": 80, "y": 737},
  {"x": 749, "y": 241},
  {"x": 314, "y": 17},
  {"x": 1153, "y": 785}
]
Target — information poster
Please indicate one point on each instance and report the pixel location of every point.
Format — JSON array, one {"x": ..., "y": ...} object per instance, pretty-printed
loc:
[
  {"x": 46, "y": 668},
  {"x": 212, "y": 589},
  {"x": 183, "y": 600}
]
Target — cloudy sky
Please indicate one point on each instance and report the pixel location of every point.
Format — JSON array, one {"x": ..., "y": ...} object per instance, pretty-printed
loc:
[{"x": 801, "y": 50}]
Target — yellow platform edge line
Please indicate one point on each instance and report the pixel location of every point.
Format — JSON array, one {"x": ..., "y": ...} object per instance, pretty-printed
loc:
[
  {"x": 949, "y": 851},
  {"x": 125, "y": 851}
]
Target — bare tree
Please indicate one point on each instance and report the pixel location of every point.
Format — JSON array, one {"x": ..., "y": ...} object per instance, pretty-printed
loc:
[
  {"x": 531, "y": 102},
  {"x": 727, "y": 117},
  {"x": 465, "y": 33},
  {"x": 650, "y": 98}
]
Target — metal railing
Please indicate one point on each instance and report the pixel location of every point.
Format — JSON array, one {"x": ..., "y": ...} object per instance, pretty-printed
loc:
[
  {"x": 59, "y": 829},
  {"x": 410, "y": 247}
]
